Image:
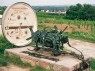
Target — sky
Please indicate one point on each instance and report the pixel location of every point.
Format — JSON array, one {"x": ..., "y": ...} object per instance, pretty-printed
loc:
[{"x": 47, "y": 2}]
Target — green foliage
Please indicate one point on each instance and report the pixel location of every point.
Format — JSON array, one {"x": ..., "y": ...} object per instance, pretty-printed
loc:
[
  {"x": 92, "y": 70},
  {"x": 90, "y": 37},
  {"x": 2, "y": 9},
  {"x": 4, "y": 44},
  {"x": 42, "y": 26},
  {"x": 93, "y": 64},
  {"x": 38, "y": 68},
  {"x": 17, "y": 61},
  {"x": 49, "y": 15},
  {"x": 3, "y": 61},
  {"x": 59, "y": 19},
  {"x": 84, "y": 12}
]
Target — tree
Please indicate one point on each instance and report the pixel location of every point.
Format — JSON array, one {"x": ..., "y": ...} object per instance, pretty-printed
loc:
[
  {"x": 84, "y": 12},
  {"x": 2, "y": 9}
]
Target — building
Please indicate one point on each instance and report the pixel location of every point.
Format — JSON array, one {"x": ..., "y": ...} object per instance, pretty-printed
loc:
[{"x": 54, "y": 11}]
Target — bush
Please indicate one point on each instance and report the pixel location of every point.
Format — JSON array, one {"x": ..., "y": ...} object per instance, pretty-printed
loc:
[
  {"x": 84, "y": 12},
  {"x": 3, "y": 63},
  {"x": 17, "y": 61},
  {"x": 93, "y": 64},
  {"x": 38, "y": 68},
  {"x": 4, "y": 44}
]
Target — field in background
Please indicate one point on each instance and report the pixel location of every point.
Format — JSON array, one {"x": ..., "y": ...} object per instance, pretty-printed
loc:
[
  {"x": 84, "y": 30},
  {"x": 79, "y": 29}
]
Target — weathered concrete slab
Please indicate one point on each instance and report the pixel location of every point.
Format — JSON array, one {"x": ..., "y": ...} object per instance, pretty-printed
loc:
[
  {"x": 65, "y": 63},
  {"x": 88, "y": 49}
]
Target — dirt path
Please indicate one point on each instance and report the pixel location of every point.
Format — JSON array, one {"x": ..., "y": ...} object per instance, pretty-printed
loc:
[
  {"x": 13, "y": 68},
  {"x": 87, "y": 48}
]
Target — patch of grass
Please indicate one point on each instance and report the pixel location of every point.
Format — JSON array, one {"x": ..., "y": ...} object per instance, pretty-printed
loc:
[
  {"x": 38, "y": 68},
  {"x": 17, "y": 61},
  {"x": 4, "y": 44},
  {"x": 90, "y": 37},
  {"x": 3, "y": 61},
  {"x": 60, "y": 19},
  {"x": 41, "y": 26},
  {"x": 92, "y": 70},
  {"x": 93, "y": 64}
]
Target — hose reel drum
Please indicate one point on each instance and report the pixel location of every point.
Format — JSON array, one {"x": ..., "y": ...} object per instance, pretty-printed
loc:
[{"x": 16, "y": 21}]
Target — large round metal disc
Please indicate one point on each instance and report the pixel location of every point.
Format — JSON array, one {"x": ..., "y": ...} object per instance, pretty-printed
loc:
[{"x": 16, "y": 22}]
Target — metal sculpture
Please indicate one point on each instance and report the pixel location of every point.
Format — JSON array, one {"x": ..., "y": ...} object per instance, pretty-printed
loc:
[
  {"x": 55, "y": 40},
  {"x": 51, "y": 39}
]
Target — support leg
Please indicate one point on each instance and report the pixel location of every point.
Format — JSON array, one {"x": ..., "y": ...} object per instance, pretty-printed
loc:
[{"x": 37, "y": 48}]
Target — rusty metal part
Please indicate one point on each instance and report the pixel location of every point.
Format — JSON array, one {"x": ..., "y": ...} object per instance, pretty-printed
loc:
[
  {"x": 41, "y": 56},
  {"x": 17, "y": 27}
]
